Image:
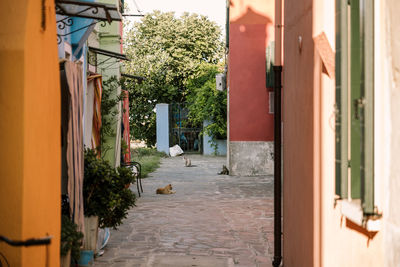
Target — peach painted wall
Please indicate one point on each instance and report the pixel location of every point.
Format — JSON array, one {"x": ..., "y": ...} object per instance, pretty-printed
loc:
[
  {"x": 298, "y": 135},
  {"x": 342, "y": 243},
  {"x": 390, "y": 58},
  {"x": 30, "y": 136},
  {"x": 251, "y": 28},
  {"x": 315, "y": 232}
]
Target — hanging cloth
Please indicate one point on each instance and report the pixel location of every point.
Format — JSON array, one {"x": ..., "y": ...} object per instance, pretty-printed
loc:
[
  {"x": 73, "y": 89},
  {"x": 96, "y": 120}
]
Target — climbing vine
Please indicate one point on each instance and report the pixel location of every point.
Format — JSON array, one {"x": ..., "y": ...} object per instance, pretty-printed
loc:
[
  {"x": 206, "y": 103},
  {"x": 109, "y": 111}
]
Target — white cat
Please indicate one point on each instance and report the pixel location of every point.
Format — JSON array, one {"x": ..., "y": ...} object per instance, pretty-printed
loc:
[{"x": 188, "y": 162}]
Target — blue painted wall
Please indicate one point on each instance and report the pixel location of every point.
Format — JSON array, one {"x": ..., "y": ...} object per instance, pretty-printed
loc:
[
  {"x": 208, "y": 149},
  {"x": 162, "y": 124}
]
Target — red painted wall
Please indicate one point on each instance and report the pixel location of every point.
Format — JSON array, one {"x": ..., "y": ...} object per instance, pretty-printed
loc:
[{"x": 249, "y": 118}]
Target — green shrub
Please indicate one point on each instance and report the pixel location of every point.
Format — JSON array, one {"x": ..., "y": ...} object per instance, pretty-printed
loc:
[
  {"x": 126, "y": 175},
  {"x": 141, "y": 152},
  {"x": 149, "y": 159},
  {"x": 205, "y": 102},
  {"x": 71, "y": 238},
  {"x": 104, "y": 191}
]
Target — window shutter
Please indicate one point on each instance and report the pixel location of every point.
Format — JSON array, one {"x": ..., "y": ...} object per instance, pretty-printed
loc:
[
  {"x": 341, "y": 108},
  {"x": 367, "y": 184},
  {"x": 355, "y": 101},
  {"x": 269, "y": 63}
]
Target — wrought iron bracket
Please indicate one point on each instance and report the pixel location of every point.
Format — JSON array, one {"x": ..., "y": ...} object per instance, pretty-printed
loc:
[
  {"x": 94, "y": 51},
  {"x": 62, "y": 24},
  {"x": 90, "y": 10},
  {"x": 132, "y": 15},
  {"x": 97, "y": 11}
]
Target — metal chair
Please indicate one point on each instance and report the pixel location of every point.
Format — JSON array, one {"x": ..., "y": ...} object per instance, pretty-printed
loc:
[{"x": 137, "y": 171}]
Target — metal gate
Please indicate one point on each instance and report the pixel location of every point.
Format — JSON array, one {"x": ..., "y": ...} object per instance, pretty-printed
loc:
[{"x": 182, "y": 132}]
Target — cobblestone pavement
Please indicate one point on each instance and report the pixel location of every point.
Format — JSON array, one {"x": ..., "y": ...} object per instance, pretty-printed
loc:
[{"x": 212, "y": 220}]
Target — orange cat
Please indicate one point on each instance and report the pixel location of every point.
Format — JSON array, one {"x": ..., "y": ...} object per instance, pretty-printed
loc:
[{"x": 165, "y": 190}]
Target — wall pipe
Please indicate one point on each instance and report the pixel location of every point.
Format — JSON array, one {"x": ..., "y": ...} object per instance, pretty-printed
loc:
[
  {"x": 277, "y": 168},
  {"x": 278, "y": 136}
]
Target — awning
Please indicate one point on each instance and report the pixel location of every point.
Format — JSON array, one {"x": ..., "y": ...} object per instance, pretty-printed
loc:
[
  {"x": 80, "y": 17},
  {"x": 108, "y": 53},
  {"x": 90, "y": 10}
]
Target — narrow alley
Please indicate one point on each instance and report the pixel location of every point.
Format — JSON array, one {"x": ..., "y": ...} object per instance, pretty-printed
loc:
[{"x": 211, "y": 220}]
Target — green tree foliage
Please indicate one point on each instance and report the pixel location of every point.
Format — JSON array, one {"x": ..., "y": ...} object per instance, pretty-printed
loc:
[
  {"x": 167, "y": 51},
  {"x": 206, "y": 103}
]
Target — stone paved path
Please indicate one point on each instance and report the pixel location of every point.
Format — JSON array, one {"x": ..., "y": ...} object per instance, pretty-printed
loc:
[{"x": 212, "y": 220}]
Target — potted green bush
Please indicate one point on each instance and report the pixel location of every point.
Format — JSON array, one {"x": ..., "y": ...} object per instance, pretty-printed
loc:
[
  {"x": 105, "y": 195},
  {"x": 104, "y": 190},
  {"x": 71, "y": 241},
  {"x": 126, "y": 176}
]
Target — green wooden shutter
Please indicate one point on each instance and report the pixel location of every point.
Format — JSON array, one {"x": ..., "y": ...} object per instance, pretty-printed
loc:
[
  {"x": 341, "y": 73},
  {"x": 367, "y": 77},
  {"x": 355, "y": 97},
  {"x": 362, "y": 99}
]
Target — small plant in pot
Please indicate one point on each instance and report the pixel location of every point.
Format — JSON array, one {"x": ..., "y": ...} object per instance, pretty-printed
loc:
[
  {"x": 71, "y": 241},
  {"x": 104, "y": 191},
  {"x": 126, "y": 176}
]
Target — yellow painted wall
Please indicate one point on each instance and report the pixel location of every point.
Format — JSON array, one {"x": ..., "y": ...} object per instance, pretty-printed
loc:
[{"x": 29, "y": 131}]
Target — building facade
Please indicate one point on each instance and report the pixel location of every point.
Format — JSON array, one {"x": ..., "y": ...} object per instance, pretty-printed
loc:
[
  {"x": 30, "y": 184},
  {"x": 250, "y": 119},
  {"x": 340, "y": 133}
]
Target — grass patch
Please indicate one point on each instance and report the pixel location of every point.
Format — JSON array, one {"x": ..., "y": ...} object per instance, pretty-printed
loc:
[{"x": 149, "y": 158}]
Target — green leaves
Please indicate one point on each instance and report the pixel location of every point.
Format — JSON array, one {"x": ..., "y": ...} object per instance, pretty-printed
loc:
[
  {"x": 109, "y": 111},
  {"x": 104, "y": 190},
  {"x": 71, "y": 238},
  {"x": 167, "y": 51},
  {"x": 206, "y": 103}
]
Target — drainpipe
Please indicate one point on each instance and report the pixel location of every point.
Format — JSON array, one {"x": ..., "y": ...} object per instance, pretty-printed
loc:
[{"x": 278, "y": 137}]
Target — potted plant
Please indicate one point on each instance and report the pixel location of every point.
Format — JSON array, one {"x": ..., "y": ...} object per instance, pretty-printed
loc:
[
  {"x": 105, "y": 195},
  {"x": 71, "y": 241},
  {"x": 126, "y": 176}
]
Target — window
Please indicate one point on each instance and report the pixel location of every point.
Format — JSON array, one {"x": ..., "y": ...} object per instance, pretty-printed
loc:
[
  {"x": 269, "y": 75},
  {"x": 355, "y": 102},
  {"x": 269, "y": 63},
  {"x": 271, "y": 102}
]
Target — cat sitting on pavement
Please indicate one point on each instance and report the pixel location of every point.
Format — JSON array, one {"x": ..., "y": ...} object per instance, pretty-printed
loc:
[
  {"x": 165, "y": 190},
  {"x": 188, "y": 162},
  {"x": 224, "y": 171}
]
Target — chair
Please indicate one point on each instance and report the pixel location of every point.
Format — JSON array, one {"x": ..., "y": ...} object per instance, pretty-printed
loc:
[{"x": 137, "y": 171}]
